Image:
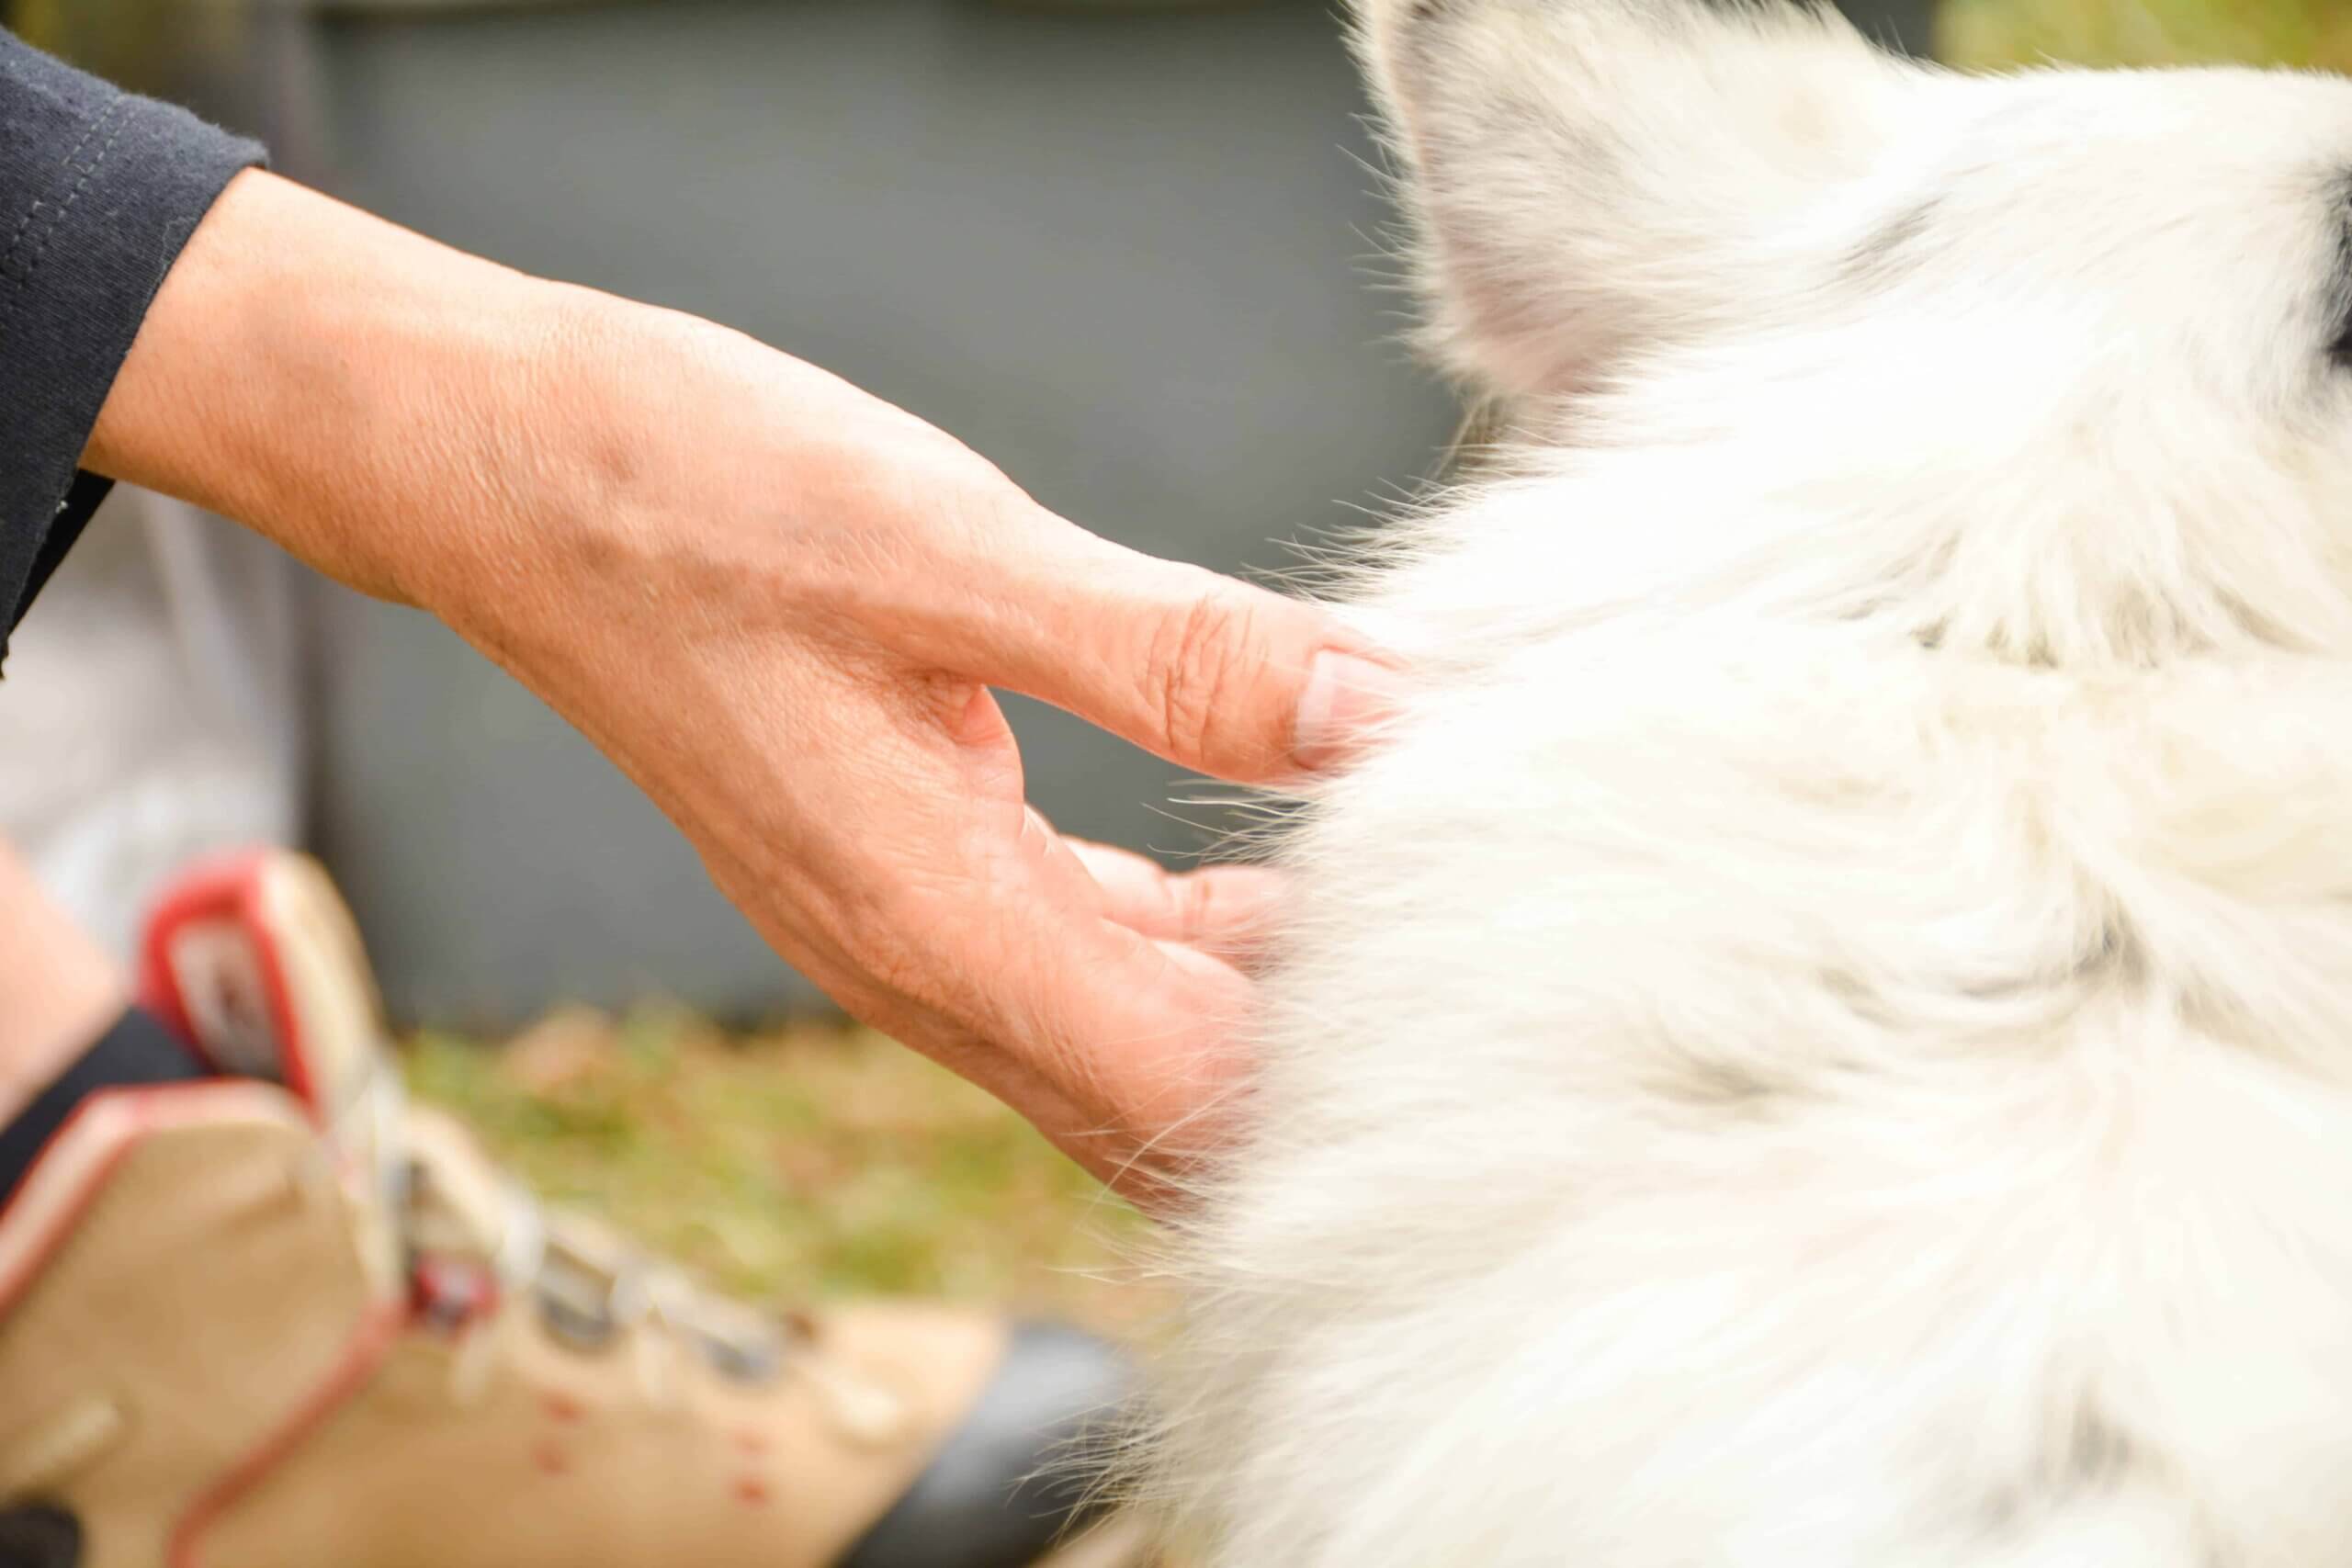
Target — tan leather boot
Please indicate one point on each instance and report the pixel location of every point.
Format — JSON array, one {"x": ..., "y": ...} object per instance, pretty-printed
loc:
[{"x": 281, "y": 1320}]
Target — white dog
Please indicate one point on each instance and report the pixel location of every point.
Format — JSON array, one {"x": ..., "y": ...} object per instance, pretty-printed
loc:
[{"x": 1825, "y": 1041}]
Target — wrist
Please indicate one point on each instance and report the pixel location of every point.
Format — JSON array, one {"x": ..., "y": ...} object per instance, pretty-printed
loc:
[
  {"x": 435, "y": 429},
  {"x": 573, "y": 463},
  {"x": 363, "y": 395}
]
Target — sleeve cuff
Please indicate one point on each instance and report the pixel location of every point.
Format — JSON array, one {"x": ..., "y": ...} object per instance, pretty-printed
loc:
[{"x": 99, "y": 191}]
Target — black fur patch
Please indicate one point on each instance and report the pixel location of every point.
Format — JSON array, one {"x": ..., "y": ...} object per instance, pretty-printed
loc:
[
  {"x": 2093, "y": 1456},
  {"x": 2339, "y": 287},
  {"x": 1892, "y": 244},
  {"x": 2099, "y": 1453}
]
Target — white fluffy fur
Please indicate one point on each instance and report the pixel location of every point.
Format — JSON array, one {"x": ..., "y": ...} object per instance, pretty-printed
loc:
[{"x": 1826, "y": 1039}]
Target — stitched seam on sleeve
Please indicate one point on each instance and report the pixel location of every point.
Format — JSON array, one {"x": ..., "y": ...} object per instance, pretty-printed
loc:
[
  {"x": 32, "y": 211},
  {"x": 17, "y": 282}
]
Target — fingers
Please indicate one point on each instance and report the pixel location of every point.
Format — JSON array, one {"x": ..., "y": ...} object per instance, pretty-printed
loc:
[
  {"x": 1119, "y": 1044},
  {"x": 1121, "y": 1041},
  {"x": 1123, "y": 1051},
  {"x": 1225, "y": 911},
  {"x": 1212, "y": 674},
  {"x": 1125, "y": 1000},
  {"x": 1092, "y": 1140},
  {"x": 1148, "y": 1035}
]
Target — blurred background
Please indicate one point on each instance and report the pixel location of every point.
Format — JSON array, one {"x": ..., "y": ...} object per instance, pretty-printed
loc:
[{"x": 1128, "y": 249}]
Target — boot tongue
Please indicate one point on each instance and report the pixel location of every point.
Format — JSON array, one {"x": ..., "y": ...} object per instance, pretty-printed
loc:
[
  {"x": 460, "y": 1205},
  {"x": 257, "y": 963}
]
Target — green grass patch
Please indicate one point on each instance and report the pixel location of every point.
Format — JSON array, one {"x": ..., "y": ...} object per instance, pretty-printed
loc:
[
  {"x": 2147, "y": 32},
  {"x": 795, "y": 1164}
]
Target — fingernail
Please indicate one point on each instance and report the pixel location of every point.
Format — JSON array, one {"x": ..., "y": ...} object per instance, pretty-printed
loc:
[{"x": 1346, "y": 699}]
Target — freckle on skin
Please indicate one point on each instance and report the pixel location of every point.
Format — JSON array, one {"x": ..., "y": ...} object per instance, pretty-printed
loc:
[
  {"x": 562, "y": 1407},
  {"x": 551, "y": 1459},
  {"x": 753, "y": 1491}
]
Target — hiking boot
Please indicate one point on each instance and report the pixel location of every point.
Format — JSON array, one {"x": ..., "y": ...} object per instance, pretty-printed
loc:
[{"x": 280, "y": 1319}]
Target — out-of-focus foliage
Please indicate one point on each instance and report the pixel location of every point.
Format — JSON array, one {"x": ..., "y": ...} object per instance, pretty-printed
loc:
[
  {"x": 2148, "y": 32},
  {"x": 803, "y": 1162},
  {"x": 148, "y": 44}
]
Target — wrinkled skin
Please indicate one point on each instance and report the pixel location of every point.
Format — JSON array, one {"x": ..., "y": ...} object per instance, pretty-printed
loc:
[{"x": 778, "y": 604}]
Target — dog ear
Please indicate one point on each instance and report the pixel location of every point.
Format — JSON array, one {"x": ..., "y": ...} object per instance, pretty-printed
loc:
[{"x": 1585, "y": 176}]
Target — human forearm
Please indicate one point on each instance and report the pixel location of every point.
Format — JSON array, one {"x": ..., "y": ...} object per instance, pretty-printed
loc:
[
  {"x": 778, "y": 604},
  {"x": 381, "y": 405}
]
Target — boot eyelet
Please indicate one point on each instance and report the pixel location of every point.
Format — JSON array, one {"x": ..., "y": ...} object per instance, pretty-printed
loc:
[
  {"x": 748, "y": 1363},
  {"x": 574, "y": 1326}
]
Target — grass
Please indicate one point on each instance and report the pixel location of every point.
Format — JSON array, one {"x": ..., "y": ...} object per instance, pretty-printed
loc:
[
  {"x": 814, "y": 1162},
  {"x": 794, "y": 1165}
]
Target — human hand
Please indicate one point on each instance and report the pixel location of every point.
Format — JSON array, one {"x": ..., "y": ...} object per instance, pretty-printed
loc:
[
  {"x": 778, "y": 604},
  {"x": 784, "y": 621}
]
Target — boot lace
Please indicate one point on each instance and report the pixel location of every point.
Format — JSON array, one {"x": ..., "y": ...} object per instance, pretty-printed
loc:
[{"x": 589, "y": 1292}]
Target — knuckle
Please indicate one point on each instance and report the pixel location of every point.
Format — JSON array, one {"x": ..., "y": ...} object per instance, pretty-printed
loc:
[
  {"x": 1198, "y": 669},
  {"x": 1196, "y": 904}
]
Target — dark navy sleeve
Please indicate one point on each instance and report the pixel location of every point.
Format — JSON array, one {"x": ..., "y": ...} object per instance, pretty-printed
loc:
[{"x": 99, "y": 189}]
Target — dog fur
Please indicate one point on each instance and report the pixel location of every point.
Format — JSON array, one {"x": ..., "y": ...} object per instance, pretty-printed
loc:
[{"x": 1824, "y": 1038}]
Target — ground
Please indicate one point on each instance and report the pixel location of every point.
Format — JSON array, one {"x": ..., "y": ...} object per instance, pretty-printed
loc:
[
  {"x": 816, "y": 1161},
  {"x": 797, "y": 1163}
]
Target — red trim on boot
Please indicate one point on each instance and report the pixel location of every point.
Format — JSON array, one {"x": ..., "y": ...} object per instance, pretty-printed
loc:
[
  {"x": 119, "y": 1121},
  {"x": 231, "y": 890},
  {"x": 379, "y": 1331},
  {"x": 122, "y": 1116}
]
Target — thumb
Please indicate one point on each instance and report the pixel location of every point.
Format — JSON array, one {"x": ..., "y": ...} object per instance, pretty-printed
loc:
[{"x": 1212, "y": 674}]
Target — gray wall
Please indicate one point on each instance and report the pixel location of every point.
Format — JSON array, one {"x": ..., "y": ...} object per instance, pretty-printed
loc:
[{"x": 1123, "y": 254}]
